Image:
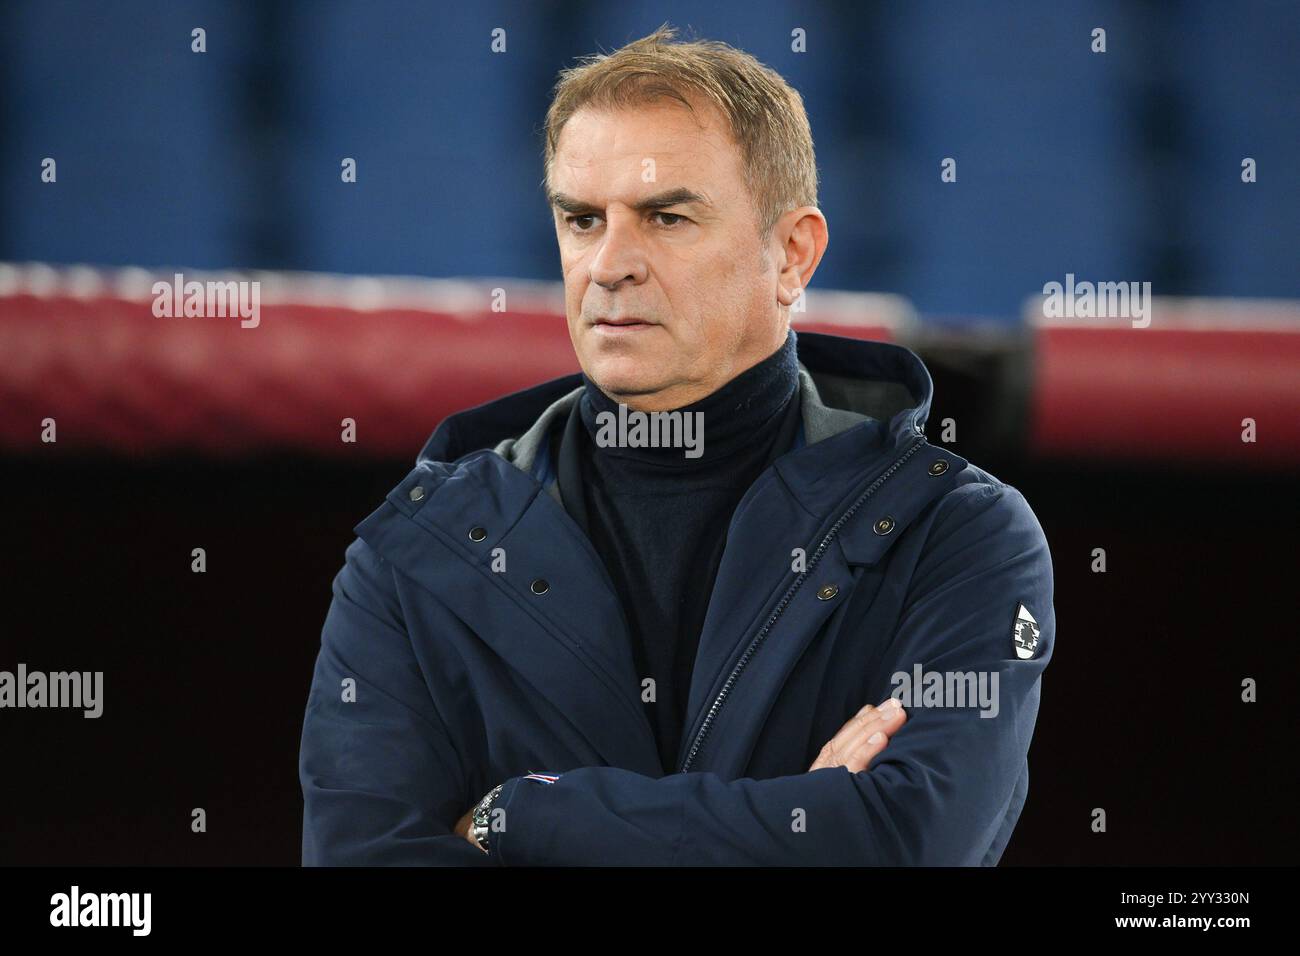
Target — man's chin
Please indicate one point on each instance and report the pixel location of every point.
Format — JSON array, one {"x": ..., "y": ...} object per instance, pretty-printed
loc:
[{"x": 622, "y": 377}]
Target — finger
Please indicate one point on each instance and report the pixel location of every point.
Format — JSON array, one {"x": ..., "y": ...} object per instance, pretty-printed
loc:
[
  {"x": 889, "y": 719},
  {"x": 852, "y": 731},
  {"x": 854, "y": 735},
  {"x": 859, "y": 757},
  {"x": 862, "y": 755},
  {"x": 886, "y": 722}
]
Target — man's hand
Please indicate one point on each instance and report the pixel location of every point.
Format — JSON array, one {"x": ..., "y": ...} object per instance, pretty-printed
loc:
[
  {"x": 462, "y": 828},
  {"x": 865, "y": 735}
]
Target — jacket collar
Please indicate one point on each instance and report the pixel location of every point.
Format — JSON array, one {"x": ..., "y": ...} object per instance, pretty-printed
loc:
[
  {"x": 844, "y": 383},
  {"x": 864, "y": 407}
]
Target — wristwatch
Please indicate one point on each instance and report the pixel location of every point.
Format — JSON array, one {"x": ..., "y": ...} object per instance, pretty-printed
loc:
[{"x": 480, "y": 821}]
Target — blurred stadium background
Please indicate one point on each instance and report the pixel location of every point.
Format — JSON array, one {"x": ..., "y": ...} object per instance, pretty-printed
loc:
[{"x": 376, "y": 305}]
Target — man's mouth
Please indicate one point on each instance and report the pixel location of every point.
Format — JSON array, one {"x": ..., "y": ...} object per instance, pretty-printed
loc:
[{"x": 621, "y": 326}]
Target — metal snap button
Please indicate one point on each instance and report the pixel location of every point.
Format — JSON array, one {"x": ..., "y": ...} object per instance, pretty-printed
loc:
[
  {"x": 884, "y": 525},
  {"x": 417, "y": 493},
  {"x": 827, "y": 592},
  {"x": 477, "y": 534},
  {"x": 540, "y": 586},
  {"x": 938, "y": 466}
]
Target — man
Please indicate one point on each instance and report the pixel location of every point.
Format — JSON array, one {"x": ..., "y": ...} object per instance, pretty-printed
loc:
[{"x": 555, "y": 643}]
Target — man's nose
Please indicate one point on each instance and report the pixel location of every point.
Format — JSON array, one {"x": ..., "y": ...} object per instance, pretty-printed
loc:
[{"x": 621, "y": 255}]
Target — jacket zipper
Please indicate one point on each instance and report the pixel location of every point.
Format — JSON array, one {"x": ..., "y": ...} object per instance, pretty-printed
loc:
[{"x": 785, "y": 602}]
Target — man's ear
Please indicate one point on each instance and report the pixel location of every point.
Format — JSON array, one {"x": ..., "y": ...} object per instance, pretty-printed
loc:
[{"x": 801, "y": 236}]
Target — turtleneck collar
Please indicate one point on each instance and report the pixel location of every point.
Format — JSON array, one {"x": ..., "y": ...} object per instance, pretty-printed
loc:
[{"x": 732, "y": 417}]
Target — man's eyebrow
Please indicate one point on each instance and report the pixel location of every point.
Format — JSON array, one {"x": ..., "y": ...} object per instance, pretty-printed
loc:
[{"x": 672, "y": 197}]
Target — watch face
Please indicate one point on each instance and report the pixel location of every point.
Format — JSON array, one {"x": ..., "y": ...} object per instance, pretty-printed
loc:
[{"x": 480, "y": 817}]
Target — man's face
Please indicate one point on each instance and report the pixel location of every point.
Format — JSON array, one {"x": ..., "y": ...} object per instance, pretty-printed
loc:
[{"x": 669, "y": 293}]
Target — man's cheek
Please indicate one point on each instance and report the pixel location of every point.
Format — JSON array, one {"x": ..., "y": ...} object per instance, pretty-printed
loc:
[{"x": 571, "y": 269}]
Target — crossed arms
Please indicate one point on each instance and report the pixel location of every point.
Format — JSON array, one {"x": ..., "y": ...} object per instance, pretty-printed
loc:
[{"x": 383, "y": 782}]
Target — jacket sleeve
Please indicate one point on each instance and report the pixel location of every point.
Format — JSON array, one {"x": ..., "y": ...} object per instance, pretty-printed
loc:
[
  {"x": 946, "y": 789},
  {"x": 382, "y": 783}
]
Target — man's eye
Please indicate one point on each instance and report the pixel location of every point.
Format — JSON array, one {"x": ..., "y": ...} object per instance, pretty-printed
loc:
[{"x": 579, "y": 224}]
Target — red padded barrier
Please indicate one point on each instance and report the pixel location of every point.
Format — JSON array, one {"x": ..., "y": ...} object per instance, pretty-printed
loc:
[
  {"x": 1177, "y": 390},
  {"x": 114, "y": 376}
]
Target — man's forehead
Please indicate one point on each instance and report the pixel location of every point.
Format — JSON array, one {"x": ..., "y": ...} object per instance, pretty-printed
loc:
[{"x": 663, "y": 136}]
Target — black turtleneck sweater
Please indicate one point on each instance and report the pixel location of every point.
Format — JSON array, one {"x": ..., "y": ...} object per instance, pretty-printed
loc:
[{"x": 659, "y": 519}]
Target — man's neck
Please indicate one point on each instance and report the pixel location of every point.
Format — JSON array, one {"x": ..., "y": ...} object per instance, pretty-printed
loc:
[
  {"x": 681, "y": 395},
  {"x": 723, "y": 420}
]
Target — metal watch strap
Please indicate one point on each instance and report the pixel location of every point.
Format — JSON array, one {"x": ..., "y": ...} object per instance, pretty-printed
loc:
[{"x": 481, "y": 824}]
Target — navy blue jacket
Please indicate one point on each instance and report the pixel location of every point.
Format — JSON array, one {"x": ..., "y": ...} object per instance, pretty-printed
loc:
[{"x": 474, "y": 638}]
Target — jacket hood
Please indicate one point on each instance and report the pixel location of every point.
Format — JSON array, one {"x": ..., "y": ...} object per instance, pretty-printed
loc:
[{"x": 845, "y": 383}]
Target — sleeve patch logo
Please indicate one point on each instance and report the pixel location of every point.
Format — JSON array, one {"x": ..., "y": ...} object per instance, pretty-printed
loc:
[{"x": 1025, "y": 634}]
